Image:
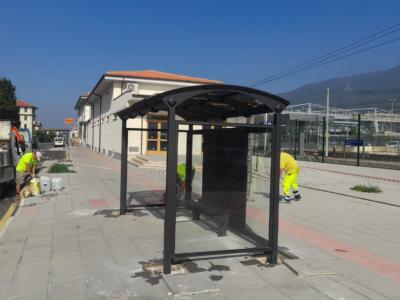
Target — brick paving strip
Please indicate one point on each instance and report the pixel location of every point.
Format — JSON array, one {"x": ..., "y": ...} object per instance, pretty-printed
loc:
[{"x": 380, "y": 265}]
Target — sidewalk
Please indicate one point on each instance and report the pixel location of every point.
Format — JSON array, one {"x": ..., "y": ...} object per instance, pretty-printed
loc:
[{"x": 57, "y": 247}]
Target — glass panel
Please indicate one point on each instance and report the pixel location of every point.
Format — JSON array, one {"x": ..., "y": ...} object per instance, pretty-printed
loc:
[
  {"x": 150, "y": 191},
  {"x": 164, "y": 134},
  {"x": 163, "y": 146},
  {"x": 152, "y": 145},
  {"x": 153, "y": 134},
  {"x": 380, "y": 139},
  {"x": 228, "y": 207}
]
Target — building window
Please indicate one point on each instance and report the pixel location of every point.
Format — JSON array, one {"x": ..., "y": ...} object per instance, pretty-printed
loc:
[
  {"x": 26, "y": 109},
  {"x": 25, "y": 118},
  {"x": 25, "y": 126}
]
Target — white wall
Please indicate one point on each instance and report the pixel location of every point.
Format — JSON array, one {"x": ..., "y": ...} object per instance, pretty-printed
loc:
[
  {"x": 29, "y": 116},
  {"x": 106, "y": 126},
  {"x": 111, "y": 128},
  {"x": 87, "y": 113},
  {"x": 84, "y": 113}
]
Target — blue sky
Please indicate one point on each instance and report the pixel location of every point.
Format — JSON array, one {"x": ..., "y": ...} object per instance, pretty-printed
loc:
[{"x": 55, "y": 50}]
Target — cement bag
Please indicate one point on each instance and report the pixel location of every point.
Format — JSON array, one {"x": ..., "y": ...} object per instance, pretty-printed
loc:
[
  {"x": 56, "y": 184},
  {"x": 45, "y": 184},
  {"x": 34, "y": 186}
]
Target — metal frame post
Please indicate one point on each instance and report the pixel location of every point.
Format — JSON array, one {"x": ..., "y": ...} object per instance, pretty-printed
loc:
[
  {"x": 124, "y": 168},
  {"x": 170, "y": 207},
  {"x": 92, "y": 109},
  {"x": 358, "y": 140},
  {"x": 274, "y": 191},
  {"x": 189, "y": 162},
  {"x": 296, "y": 124},
  {"x": 323, "y": 138}
]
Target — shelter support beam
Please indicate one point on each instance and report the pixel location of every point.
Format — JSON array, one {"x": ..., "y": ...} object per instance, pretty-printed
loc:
[
  {"x": 274, "y": 188},
  {"x": 189, "y": 162},
  {"x": 170, "y": 207},
  {"x": 124, "y": 168},
  {"x": 358, "y": 138}
]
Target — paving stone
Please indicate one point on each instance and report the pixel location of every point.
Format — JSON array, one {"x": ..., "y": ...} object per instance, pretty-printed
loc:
[
  {"x": 140, "y": 288},
  {"x": 256, "y": 294},
  {"x": 33, "y": 254},
  {"x": 310, "y": 295},
  {"x": 68, "y": 290},
  {"x": 7, "y": 271},
  {"x": 335, "y": 290},
  {"x": 283, "y": 279},
  {"x": 28, "y": 296},
  {"x": 189, "y": 283},
  {"x": 66, "y": 268}
]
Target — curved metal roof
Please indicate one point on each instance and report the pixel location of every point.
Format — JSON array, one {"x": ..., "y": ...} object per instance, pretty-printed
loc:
[{"x": 209, "y": 102}]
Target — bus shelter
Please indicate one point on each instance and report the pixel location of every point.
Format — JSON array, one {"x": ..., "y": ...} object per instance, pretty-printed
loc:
[{"x": 215, "y": 214}]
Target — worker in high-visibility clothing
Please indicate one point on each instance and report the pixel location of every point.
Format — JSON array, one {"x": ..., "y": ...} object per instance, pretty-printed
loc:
[
  {"x": 181, "y": 177},
  {"x": 181, "y": 180},
  {"x": 25, "y": 168},
  {"x": 17, "y": 139},
  {"x": 289, "y": 170}
]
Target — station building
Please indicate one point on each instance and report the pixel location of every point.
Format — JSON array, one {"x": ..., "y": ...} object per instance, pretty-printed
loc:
[{"x": 100, "y": 128}]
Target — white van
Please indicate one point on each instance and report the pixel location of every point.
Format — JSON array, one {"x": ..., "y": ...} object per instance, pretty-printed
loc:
[{"x": 59, "y": 141}]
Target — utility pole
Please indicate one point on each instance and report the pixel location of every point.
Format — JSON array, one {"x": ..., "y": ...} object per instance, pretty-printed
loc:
[
  {"x": 392, "y": 119},
  {"x": 327, "y": 124}
]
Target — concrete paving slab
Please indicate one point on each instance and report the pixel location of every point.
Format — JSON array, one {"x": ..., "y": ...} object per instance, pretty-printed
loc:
[
  {"x": 35, "y": 296},
  {"x": 31, "y": 278},
  {"x": 303, "y": 268},
  {"x": 68, "y": 290},
  {"x": 184, "y": 284},
  {"x": 335, "y": 290}
]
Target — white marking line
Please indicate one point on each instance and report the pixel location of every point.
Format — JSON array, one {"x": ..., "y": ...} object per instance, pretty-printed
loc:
[
  {"x": 185, "y": 294},
  {"x": 83, "y": 212},
  {"x": 114, "y": 169}
]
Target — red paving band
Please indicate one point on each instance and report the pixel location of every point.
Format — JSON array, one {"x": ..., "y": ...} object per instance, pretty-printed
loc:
[{"x": 380, "y": 265}]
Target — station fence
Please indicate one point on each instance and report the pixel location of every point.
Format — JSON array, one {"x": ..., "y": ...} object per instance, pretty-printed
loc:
[{"x": 357, "y": 141}]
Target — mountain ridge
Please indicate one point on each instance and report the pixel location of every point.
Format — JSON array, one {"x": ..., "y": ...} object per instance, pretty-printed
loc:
[{"x": 355, "y": 91}]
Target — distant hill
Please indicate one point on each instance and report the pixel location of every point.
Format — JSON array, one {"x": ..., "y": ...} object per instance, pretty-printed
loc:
[{"x": 352, "y": 91}]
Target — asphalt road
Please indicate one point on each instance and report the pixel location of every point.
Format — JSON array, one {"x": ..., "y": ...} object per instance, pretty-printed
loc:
[{"x": 52, "y": 153}]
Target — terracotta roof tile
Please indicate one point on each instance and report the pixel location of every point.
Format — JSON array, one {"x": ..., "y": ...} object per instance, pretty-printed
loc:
[
  {"x": 21, "y": 103},
  {"x": 151, "y": 74}
]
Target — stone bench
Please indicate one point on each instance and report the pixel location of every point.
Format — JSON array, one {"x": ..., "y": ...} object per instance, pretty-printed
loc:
[{"x": 218, "y": 216}]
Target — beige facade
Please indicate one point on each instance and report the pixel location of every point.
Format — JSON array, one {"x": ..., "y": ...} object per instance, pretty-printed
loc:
[{"x": 118, "y": 90}]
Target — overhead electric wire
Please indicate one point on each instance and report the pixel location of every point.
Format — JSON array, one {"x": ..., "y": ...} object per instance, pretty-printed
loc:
[
  {"x": 312, "y": 66},
  {"x": 335, "y": 55},
  {"x": 344, "y": 49}
]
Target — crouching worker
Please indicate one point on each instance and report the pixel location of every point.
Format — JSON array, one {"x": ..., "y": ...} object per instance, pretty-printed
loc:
[
  {"x": 25, "y": 169},
  {"x": 289, "y": 170},
  {"x": 181, "y": 179}
]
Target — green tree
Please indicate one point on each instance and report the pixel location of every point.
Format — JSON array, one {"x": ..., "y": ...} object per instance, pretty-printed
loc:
[
  {"x": 7, "y": 94},
  {"x": 41, "y": 136},
  {"x": 8, "y": 108}
]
